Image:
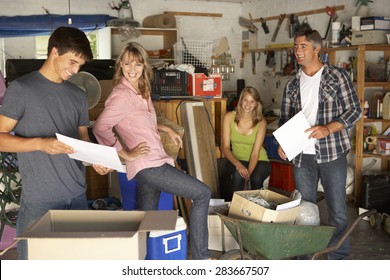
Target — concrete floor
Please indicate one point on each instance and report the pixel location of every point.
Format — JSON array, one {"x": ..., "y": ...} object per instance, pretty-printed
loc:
[{"x": 367, "y": 242}]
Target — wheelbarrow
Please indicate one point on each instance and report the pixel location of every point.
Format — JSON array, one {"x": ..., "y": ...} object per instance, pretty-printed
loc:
[{"x": 276, "y": 241}]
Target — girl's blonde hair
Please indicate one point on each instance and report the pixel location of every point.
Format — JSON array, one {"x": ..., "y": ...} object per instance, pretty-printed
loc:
[
  {"x": 257, "y": 113},
  {"x": 139, "y": 55}
]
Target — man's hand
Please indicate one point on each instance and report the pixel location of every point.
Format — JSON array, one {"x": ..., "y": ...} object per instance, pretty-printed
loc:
[
  {"x": 52, "y": 146},
  {"x": 318, "y": 131},
  {"x": 101, "y": 169},
  {"x": 281, "y": 153}
]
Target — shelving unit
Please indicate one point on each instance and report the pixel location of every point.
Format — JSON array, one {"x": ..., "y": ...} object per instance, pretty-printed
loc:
[
  {"x": 152, "y": 39},
  {"x": 361, "y": 85}
]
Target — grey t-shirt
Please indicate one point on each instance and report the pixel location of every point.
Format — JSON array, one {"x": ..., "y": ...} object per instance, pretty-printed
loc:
[{"x": 43, "y": 108}]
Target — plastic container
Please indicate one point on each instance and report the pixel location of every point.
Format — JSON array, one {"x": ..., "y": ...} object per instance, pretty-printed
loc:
[
  {"x": 336, "y": 32},
  {"x": 169, "y": 82},
  {"x": 386, "y": 106},
  {"x": 129, "y": 195},
  {"x": 366, "y": 109},
  {"x": 168, "y": 245}
]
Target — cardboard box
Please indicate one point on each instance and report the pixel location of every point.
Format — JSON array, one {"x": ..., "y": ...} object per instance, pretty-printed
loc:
[
  {"x": 367, "y": 37},
  {"x": 207, "y": 86},
  {"x": 94, "y": 234},
  {"x": 242, "y": 208},
  {"x": 374, "y": 23},
  {"x": 215, "y": 235},
  {"x": 383, "y": 145}
]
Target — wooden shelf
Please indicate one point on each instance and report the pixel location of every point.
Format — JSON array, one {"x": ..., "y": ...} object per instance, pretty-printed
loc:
[
  {"x": 370, "y": 155},
  {"x": 361, "y": 85}
]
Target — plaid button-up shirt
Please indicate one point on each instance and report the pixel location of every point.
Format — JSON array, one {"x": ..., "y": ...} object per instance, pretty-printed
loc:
[{"x": 338, "y": 101}]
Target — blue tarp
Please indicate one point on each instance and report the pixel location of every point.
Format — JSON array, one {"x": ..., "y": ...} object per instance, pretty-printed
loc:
[{"x": 18, "y": 26}]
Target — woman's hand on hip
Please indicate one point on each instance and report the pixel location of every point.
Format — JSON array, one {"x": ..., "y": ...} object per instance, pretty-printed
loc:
[{"x": 138, "y": 151}]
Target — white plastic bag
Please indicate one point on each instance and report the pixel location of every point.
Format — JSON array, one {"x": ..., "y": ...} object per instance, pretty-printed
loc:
[{"x": 308, "y": 214}]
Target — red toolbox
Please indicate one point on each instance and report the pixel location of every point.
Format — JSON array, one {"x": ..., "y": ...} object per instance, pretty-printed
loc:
[
  {"x": 207, "y": 86},
  {"x": 282, "y": 176}
]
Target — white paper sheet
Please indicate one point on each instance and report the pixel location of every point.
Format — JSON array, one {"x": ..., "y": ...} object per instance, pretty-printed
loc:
[
  {"x": 93, "y": 153},
  {"x": 291, "y": 136}
]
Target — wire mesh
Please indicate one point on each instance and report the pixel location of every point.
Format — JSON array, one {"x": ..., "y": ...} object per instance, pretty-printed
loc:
[{"x": 195, "y": 52}]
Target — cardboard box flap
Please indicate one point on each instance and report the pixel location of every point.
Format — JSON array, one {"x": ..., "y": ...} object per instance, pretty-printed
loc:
[
  {"x": 85, "y": 223},
  {"x": 159, "y": 220},
  {"x": 99, "y": 223}
]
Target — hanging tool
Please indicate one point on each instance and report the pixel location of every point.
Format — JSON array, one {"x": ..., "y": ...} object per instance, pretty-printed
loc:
[
  {"x": 248, "y": 23},
  {"x": 264, "y": 26},
  {"x": 280, "y": 20},
  {"x": 270, "y": 60},
  {"x": 244, "y": 46},
  {"x": 253, "y": 46},
  {"x": 294, "y": 25},
  {"x": 305, "y": 25},
  {"x": 253, "y": 63},
  {"x": 332, "y": 17}
]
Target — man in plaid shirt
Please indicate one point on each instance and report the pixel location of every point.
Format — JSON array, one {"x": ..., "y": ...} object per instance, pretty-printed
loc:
[{"x": 326, "y": 96}]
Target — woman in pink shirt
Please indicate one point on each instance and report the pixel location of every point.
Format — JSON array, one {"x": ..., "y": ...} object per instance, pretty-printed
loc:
[{"x": 129, "y": 109}]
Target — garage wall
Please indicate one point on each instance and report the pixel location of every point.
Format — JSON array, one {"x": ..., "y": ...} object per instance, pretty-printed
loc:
[{"x": 198, "y": 28}]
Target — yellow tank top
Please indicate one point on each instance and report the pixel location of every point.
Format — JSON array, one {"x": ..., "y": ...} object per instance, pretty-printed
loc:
[{"x": 242, "y": 144}]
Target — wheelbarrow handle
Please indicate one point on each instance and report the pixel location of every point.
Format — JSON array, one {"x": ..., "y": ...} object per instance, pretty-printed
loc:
[{"x": 345, "y": 235}]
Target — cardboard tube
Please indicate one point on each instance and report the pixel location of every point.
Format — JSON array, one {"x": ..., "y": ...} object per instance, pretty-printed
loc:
[{"x": 160, "y": 21}]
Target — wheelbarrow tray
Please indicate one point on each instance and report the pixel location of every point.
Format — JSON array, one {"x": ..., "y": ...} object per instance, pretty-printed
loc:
[{"x": 276, "y": 241}]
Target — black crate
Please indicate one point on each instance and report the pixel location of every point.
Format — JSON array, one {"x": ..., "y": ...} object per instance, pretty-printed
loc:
[
  {"x": 376, "y": 192},
  {"x": 170, "y": 83}
]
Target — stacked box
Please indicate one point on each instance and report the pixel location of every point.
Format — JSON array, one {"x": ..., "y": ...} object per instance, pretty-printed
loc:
[
  {"x": 215, "y": 235},
  {"x": 168, "y": 245},
  {"x": 207, "y": 86},
  {"x": 168, "y": 82}
]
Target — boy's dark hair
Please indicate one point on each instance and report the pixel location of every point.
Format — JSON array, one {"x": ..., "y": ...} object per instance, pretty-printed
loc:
[
  {"x": 70, "y": 39},
  {"x": 313, "y": 36}
]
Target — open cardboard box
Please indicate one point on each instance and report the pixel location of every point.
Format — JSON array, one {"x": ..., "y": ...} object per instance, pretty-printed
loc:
[
  {"x": 243, "y": 208},
  {"x": 94, "y": 234}
]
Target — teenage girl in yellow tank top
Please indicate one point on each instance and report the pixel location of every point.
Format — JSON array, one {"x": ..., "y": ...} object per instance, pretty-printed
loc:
[{"x": 243, "y": 136}]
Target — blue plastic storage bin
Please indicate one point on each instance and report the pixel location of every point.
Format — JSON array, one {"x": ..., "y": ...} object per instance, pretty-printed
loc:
[
  {"x": 271, "y": 146},
  {"x": 168, "y": 245},
  {"x": 129, "y": 195}
]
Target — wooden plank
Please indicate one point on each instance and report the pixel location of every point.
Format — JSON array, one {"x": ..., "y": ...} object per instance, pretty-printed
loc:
[
  {"x": 304, "y": 13},
  {"x": 199, "y": 149},
  {"x": 206, "y": 150},
  {"x": 193, "y": 14}
]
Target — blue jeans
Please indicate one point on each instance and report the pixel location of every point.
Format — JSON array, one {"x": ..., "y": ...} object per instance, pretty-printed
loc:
[
  {"x": 257, "y": 178},
  {"x": 166, "y": 178},
  {"x": 29, "y": 213},
  {"x": 333, "y": 179}
]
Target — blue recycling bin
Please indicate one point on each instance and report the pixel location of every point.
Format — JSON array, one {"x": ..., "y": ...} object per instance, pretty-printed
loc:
[{"x": 129, "y": 195}]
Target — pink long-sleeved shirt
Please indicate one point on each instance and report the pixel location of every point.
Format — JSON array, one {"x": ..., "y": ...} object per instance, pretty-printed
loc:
[{"x": 135, "y": 121}]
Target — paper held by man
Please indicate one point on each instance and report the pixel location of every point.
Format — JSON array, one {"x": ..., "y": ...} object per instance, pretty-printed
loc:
[
  {"x": 291, "y": 136},
  {"x": 93, "y": 153}
]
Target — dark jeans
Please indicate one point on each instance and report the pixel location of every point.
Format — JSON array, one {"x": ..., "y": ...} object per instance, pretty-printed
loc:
[
  {"x": 166, "y": 178},
  {"x": 237, "y": 183},
  {"x": 333, "y": 178}
]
